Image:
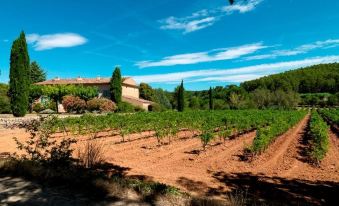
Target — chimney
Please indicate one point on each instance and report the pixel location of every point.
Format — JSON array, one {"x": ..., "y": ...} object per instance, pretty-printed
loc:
[{"x": 79, "y": 78}]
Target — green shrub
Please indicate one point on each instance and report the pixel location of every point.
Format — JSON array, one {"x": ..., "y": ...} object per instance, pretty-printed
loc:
[
  {"x": 38, "y": 107},
  {"x": 125, "y": 107},
  {"x": 139, "y": 109},
  {"x": 51, "y": 105},
  {"x": 155, "y": 108},
  {"x": 5, "y": 106}
]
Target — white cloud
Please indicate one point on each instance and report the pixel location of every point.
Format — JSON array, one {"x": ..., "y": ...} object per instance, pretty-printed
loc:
[
  {"x": 235, "y": 75},
  {"x": 231, "y": 78},
  {"x": 205, "y": 18},
  {"x": 187, "y": 26},
  {"x": 5, "y": 40},
  {"x": 242, "y": 7},
  {"x": 330, "y": 43},
  {"x": 59, "y": 40},
  {"x": 199, "y": 57}
]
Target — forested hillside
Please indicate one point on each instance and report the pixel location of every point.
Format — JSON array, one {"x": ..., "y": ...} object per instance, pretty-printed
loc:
[
  {"x": 314, "y": 79},
  {"x": 314, "y": 85}
]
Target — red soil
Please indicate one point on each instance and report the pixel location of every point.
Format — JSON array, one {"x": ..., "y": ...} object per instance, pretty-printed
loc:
[{"x": 219, "y": 169}]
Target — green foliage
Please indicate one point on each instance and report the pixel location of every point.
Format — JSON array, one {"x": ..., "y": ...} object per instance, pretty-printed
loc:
[
  {"x": 37, "y": 107},
  {"x": 115, "y": 86},
  {"x": 332, "y": 115},
  {"x": 5, "y": 105},
  {"x": 41, "y": 147},
  {"x": 206, "y": 124},
  {"x": 319, "y": 138},
  {"x": 57, "y": 92},
  {"x": 319, "y": 99},
  {"x": 313, "y": 79},
  {"x": 206, "y": 137},
  {"x": 279, "y": 124},
  {"x": 333, "y": 100},
  {"x": 155, "y": 108},
  {"x": 19, "y": 77},
  {"x": 181, "y": 97},
  {"x": 146, "y": 92},
  {"x": 161, "y": 98},
  {"x": 220, "y": 104},
  {"x": 194, "y": 102},
  {"x": 85, "y": 93},
  {"x": 36, "y": 73},
  {"x": 125, "y": 107},
  {"x": 211, "y": 99}
]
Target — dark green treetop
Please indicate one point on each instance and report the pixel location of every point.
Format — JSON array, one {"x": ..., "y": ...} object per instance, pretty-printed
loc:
[
  {"x": 115, "y": 86},
  {"x": 19, "y": 76}
]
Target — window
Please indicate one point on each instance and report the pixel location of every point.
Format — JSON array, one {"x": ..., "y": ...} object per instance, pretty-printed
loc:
[{"x": 107, "y": 93}]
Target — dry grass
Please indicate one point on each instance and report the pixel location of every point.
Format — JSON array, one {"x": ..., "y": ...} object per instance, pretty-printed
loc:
[{"x": 91, "y": 153}]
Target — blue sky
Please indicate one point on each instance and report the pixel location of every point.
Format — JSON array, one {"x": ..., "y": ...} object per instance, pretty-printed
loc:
[{"x": 205, "y": 43}]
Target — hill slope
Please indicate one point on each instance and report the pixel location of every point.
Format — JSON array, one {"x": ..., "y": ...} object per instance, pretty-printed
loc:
[{"x": 313, "y": 79}]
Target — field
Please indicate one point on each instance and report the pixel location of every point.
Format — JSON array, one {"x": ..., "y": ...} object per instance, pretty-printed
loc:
[{"x": 266, "y": 154}]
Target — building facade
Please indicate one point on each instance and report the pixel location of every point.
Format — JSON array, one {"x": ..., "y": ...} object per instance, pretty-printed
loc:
[{"x": 130, "y": 89}]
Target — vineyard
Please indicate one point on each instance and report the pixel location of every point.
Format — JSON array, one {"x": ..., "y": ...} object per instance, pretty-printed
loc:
[
  {"x": 206, "y": 125},
  {"x": 319, "y": 137},
  {"x": 207, "y": 152}
]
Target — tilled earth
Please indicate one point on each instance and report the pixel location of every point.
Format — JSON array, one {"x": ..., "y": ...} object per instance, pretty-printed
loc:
[{"x": 282, "y": 172}]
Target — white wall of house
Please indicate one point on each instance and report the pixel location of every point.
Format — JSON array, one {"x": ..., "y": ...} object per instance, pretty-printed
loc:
[{"x": 130, "y": 91}]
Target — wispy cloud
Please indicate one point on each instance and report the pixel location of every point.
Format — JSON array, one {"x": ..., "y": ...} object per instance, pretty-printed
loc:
[
  {"x": 234, "y": 75},
  {"x": 209, "y": 56},
  {"x": 205, "y": 18},
  {"x": 51, "y": 41},
  {"x": 5, "y": 40},
  {"x": 330, "y": 43},
  {"x": 242, "y": 7}
]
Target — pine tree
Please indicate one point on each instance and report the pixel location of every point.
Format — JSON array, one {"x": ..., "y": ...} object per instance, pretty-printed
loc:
[
  {"x": 211, "y": 101},
  {"x": 181, "y": 97},
  {"x": 19, "y": 76},
  {"x": 115, "y": 86},
  {"x": 37, "y": 74}
]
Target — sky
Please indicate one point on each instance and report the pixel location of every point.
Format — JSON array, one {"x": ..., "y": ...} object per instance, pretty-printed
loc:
[{"x": 204, "y": 43}]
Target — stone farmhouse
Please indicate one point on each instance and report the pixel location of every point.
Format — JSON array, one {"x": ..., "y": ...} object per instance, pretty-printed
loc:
[{"x": 130, "y": 89}]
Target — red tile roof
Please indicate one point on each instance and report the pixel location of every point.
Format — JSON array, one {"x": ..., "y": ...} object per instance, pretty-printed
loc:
[
  {"x": 137, "y": 99},
  {"x": 79, "y": 80}
]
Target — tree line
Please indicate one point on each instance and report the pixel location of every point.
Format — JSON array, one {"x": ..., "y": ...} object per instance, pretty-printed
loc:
[{"x": 316, "y": 85}]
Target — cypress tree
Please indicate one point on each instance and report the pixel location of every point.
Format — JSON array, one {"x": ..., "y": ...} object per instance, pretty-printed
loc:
[
  {"x": 115, "y": 86},
  {"x": 211, "y": 102},
  {"x": 37, "y": 74},
  {"x": 19, "y": 77},
  {"x": 180, "y": 96}
]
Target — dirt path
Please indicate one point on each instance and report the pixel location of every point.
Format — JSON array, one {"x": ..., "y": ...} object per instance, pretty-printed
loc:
[{"x": 281, "y": 154}]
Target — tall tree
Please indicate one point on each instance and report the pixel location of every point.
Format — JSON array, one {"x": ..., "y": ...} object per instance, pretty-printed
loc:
[
  {"x": 19, "y": 77},
  {"x": 210, "y": 96},
  {"x": 181, "y": 97},
  {"x": 115, "y": 86},
  {"x": 37, "y": 74}
]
